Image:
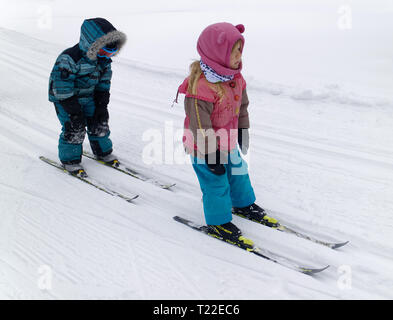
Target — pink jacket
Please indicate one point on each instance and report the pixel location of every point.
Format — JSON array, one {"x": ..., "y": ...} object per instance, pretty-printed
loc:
[{"x": 221, "y": 116}]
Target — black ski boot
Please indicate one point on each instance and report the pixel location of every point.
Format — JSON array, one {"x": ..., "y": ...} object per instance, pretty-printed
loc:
[
  {"x": 230, "y": 233},
  {"x": 257, "y": 214}
]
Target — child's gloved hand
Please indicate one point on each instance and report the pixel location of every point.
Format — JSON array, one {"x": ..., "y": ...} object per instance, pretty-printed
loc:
[
  {"x": 101, "y": 115},
  {"x": 213, "y": 163},
  {"x": 101, "y": 99},
  {"x": 71, "y": 105},
  {"x": 98, "y": 124},
  {"x": 243, "y": 138}
]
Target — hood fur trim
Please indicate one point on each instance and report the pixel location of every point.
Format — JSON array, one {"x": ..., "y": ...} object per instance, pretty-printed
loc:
[{"x": 113, "y": 36}]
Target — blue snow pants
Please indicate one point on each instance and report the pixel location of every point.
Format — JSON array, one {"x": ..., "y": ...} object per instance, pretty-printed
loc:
[
  {"x": 72, "y": 153},
  {"x": 221, "y": 193}
]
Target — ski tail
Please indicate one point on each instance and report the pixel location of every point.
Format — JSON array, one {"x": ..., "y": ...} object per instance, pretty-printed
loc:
[{"x": 90, "y": 181}]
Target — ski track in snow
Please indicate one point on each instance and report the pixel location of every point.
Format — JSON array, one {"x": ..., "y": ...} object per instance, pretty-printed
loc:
[{"x": 310, "y": 167}]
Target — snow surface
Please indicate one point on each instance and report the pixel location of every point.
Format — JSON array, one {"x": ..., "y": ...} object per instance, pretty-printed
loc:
[{"x": 321, "y": 157}]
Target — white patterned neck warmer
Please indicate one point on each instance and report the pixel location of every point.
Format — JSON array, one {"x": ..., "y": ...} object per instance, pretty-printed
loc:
[{"x": 213, "y": 76}]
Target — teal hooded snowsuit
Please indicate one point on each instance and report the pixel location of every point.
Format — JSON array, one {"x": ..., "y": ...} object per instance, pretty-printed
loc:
[{"x": 79, "y": 87}]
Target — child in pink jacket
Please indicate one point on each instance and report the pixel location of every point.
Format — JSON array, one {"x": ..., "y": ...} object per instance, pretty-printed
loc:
[{"x": 216, "y": 121}]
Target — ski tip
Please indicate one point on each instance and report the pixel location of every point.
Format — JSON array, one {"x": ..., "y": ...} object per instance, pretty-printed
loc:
[
  {"x": 339, "y": 245},
  {"x": 311, "y": 271},
  {"x": 133, "y": 198}
]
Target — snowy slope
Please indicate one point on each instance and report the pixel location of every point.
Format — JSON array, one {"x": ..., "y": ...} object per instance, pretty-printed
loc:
[{"x": 321, "y": 158}]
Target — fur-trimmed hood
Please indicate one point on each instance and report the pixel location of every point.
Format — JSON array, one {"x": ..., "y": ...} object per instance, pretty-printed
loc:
[{"x": 97, "y": 33}]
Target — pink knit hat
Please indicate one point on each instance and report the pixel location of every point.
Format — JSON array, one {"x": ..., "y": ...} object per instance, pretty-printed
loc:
[{"x": 215, "y": 46}]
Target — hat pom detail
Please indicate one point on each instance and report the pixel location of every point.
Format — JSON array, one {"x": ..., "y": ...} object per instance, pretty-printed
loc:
[{"x": 241, "y": 28}]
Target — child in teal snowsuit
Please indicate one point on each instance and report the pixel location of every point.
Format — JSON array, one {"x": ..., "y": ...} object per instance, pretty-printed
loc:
[{"x": 79, "y": 87}]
